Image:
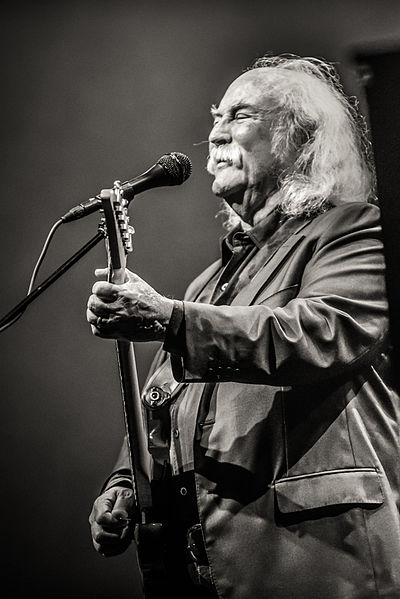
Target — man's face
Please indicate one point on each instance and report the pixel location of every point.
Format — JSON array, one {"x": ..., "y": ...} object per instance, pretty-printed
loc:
[{"x": 240, "y": 145}]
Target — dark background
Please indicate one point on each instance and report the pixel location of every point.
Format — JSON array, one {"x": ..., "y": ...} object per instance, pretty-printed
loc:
[{"x": 92, "y": 92}]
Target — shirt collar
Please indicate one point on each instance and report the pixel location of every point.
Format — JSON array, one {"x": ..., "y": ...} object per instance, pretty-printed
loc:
[
  {"x": 266, "y": 227},
  {"x": 273, "y": 229},
  {"x": 257, "y": 235}
]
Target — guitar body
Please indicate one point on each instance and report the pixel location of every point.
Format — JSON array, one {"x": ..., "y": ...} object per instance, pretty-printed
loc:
[
  {"x": 148, "y": 534},
  {"x": 149, "y": 539}
]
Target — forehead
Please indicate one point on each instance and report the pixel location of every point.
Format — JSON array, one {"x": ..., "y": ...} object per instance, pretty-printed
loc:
[{"x": 253, "y": 87}]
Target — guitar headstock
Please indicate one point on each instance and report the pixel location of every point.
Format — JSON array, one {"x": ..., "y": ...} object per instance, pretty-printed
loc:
[{"x": 118, "y": 231}]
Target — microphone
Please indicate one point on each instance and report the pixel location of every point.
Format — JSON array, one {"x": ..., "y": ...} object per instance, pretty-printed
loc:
[{"x": 170, "y": 169}]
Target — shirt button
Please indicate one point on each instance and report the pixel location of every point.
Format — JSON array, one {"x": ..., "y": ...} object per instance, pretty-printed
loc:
[
  {"x": 176, "y": 433},
  {"x": 183, "y": 491},
  {"x": 224, "y": 286}
]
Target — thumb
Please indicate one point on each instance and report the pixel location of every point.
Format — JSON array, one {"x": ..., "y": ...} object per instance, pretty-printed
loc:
[
  {"x": 123, "y": 505},
  {"x": 101, "y": 273}
]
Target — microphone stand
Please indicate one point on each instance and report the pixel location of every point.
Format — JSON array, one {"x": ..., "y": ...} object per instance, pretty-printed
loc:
[{"x": 21, "y": 306}]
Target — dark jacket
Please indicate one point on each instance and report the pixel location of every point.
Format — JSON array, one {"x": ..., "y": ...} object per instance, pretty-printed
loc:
[{"x": 296, "y": 456}]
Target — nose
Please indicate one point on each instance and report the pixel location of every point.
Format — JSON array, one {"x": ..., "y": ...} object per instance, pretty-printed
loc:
[{"x": 220, "y": 133}]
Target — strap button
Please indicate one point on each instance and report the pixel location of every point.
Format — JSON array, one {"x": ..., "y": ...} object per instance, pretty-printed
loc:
[{"x": 156, "y": 397}]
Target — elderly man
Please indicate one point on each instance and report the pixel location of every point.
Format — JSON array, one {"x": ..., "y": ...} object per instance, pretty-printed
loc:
[{"x": 282, "y": 444}]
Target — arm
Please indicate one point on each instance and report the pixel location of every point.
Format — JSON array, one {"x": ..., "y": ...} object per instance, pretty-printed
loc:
[{"x": 336, "y": 321}]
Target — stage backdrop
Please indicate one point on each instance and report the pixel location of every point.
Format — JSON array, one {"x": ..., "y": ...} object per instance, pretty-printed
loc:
[{"x": 93, "y": 92}]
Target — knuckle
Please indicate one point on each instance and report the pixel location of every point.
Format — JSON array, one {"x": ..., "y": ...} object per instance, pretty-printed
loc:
[
  {"x": 127, "y": 493},
  {"x": 92, "y": 301},
  {"x": 97, "y": 536}
]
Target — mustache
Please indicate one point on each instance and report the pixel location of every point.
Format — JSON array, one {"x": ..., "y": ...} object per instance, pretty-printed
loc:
[{"x": 228, "y": 154}]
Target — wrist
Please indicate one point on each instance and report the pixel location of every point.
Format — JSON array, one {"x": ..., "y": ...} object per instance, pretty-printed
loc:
[{"x": 161, "y": 323}]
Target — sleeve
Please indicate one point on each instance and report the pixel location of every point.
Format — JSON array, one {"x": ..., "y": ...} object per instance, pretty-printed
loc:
[
  {"x": 174, "y": 342},
  {"x": 336, "y": 322},
  {"x": 121, "y": 475}
]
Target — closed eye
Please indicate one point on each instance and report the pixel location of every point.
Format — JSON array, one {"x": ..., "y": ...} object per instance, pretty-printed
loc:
[{"x": 239, "y": 116}]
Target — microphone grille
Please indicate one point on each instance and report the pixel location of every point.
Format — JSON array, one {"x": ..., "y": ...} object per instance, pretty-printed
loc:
[{"x": 177, "y": 165}]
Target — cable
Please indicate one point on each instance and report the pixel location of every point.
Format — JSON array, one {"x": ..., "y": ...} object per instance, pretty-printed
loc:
[
  {"x": 35, "y": 271},
  {"x": 43, "y": 253}
]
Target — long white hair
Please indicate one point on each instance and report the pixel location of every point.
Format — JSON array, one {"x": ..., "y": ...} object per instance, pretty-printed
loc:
[{"x": 314, "y": 121}]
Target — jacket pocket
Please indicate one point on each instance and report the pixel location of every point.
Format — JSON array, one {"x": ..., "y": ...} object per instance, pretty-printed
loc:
[{"x": 328, "y": 488}]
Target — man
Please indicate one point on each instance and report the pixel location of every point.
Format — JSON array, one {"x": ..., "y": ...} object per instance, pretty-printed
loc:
[{"x": 282, "y": 444}]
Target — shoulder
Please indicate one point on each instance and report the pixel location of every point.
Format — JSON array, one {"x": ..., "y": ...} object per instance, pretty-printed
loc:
[
  {"x": 347, "y": 218},
  {"x": 350, "y": 213}
]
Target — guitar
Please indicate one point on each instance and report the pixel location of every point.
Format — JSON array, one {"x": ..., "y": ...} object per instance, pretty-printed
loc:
[{"x": 148, "y": 533}]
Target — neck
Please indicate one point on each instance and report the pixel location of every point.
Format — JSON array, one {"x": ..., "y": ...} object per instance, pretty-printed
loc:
[{"x": 268, "y": 205}]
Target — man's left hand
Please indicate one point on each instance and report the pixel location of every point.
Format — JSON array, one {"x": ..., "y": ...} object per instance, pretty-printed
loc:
[{"x": 133, "y": 311}]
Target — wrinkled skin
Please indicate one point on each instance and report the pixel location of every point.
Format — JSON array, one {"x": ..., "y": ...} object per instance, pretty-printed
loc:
[
  {"x": 133, "y": 311},
  {"x": 110, "y": 521}
]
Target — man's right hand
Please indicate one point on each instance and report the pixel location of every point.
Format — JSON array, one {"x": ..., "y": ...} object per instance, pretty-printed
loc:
[{"x": 110, "y": 521}]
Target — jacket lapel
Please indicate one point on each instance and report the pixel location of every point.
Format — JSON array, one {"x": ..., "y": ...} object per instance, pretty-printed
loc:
[
  {"x": 270, "y": 266},
  {"x": 203, "y": 280}
]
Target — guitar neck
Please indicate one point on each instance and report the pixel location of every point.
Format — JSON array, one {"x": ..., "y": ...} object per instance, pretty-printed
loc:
[
  {"x": 148, "y": 534},
  {"x": 134, "y": 426},
  {"x": 118, "y": 243}
]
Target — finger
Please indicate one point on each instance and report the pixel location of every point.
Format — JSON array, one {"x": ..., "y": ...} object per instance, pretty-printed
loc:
[
  {"x": 116, "y": 499},
  {"x": 108, "y": 292},
  {"x": 123, "y": 505},
  {"x": 97, "y": 321},
  {"x": 101, "y": 273},
  {"x": 102, "y": 510},
  {"x": 103, "y": 332},
  {"x": 93, "y": 321},
  {"x": 107, "y": 535},
  {"x": 96, "y": 306},
  {"x": 99, "y": 307}
]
